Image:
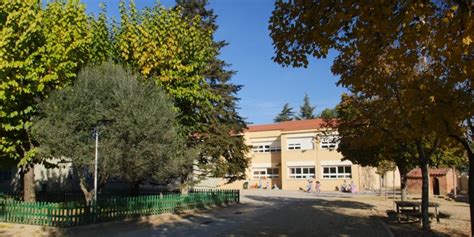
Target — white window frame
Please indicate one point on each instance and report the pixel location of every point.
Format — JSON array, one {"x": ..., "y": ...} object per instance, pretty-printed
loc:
[
  {"x": 260, "y": 148},
  {"x": 329, "y": 142},
  {"x": 265, "y": 148},
  {"x": 294, "y": 146},
  {"x": 301, "y": 172},
  {"x": 264, "y": 173},
  {"x": 336, "y": 174}
]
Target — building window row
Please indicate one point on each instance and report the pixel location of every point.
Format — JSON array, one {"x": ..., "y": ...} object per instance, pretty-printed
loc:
[
  {"x": 265, "y": 148},
  {"x": 337, "y": 172},
  {"x": 298, "y": 143},
  {"x": 271, "y": 173},
  {"x": 302, "y": 172}
]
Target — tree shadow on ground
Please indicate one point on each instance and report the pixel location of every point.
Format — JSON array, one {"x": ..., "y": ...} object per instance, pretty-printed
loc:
[
  {"x": 413, "y": 229},
  {"x": 261, "y": 216},
  {"x": 278, "y": 216}
]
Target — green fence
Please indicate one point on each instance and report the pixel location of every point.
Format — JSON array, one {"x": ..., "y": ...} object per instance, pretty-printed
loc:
[{"x": 74, "y": 213}]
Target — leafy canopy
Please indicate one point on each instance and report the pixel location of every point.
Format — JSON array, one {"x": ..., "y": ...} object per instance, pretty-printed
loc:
[
  {"x": 135, "y": 121},
  {"x": 42, "y": 48},
  {"x": 173, "y": 52},
  {"x": 328, "y": 113},
  {"x": 416, "y": 57}
]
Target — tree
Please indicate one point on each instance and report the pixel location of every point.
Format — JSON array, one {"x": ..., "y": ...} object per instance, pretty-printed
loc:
[
  {"x": 306, "y": 110},
  {"x": 286, "y": 114},
  {"x": 136, "y": 123},
  {"x": 222, "y": 148},
  {"x": 416, "y": 56},
  {"x": 365, "y": 140},
  {"x": 173, "y": 52},
  {"x": 328, "y": 113},
  {"x": 43, "y": 48}
]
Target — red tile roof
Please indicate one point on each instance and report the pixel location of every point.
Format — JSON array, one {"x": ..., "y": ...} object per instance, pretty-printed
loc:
[
  {"x": 294, "y": 125},
  {"x": 416, "y": 173}
]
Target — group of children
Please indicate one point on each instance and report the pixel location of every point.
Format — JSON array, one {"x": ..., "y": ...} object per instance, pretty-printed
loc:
[
  {"x": 309, "y": 186},
  {"x": 344, "y": 187},
  {"x": 349, "y": 188}
]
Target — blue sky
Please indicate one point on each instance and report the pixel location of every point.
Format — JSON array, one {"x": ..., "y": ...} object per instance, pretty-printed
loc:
[{"x": 267, "y": 85}]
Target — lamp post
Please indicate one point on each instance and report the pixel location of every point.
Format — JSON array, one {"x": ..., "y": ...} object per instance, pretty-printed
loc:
[{"x": 95, "y": 163}]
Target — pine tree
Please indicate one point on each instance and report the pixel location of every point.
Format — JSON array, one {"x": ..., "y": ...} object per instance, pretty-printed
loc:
[
  {"x": 286, "y": 114},
  {"x": 221, "y": 122},
  {"x": 306, "y": 110}
]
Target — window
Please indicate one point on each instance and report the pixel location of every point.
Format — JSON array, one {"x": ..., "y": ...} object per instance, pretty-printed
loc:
[
  {"x": 300, "y": 143},
  {"x": 275, "y": 149},
  {"x": 273, "y": 173},
  {"x": 261, "y": 148},
  {"x": 329, "y": 142},
  {"x": 266, "y": 172},
  {"x": 337, "y": 172},
  {"x": 294, "y": 146},
  {"x": 302, "y": 172},
  {"x": 268, "y": 147}
]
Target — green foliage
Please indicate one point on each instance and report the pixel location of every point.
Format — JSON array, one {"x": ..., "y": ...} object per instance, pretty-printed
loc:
[
  {"x": 135, "y": 120},
  {"x": 173, "y": 52},
  {"x": 384, "y": 167},
  {"x": 328, "y": 113},
  {"x": 102, "y": 48},
  {"x": 414, "y": 58},
  {"x": 42, "y": 48},
  {"x": 286, "y": 114},
  {"x": 222, "y": 147},
  {"x": 306, "y": 110},
  {"x": 365, "y": 139}
]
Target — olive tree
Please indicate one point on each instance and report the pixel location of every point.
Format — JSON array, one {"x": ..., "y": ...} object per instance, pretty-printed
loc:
[{"x": 135, "y": 120}]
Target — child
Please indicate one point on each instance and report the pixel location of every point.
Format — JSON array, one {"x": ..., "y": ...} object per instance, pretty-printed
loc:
[
  {"x": 309, "y": 187},
  {"x": 318, "y": 186}
]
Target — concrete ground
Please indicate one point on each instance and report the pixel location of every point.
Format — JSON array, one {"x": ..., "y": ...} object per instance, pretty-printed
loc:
[{"x": 271, "y": 213}]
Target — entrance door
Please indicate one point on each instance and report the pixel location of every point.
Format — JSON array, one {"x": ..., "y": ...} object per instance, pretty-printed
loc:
[{"x": 435, "y": 186}]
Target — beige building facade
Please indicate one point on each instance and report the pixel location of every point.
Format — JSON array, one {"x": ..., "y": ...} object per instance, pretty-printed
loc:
[{"x": 288, "y": 154}]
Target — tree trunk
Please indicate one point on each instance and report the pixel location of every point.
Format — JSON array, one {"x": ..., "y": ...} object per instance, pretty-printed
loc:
[
  {"x": 380, "y": 184},
  {"x": 88, "y": 195},
  {"x": 471, "y": 189},
  {"x": 29, "y": 192},
  {"x": 470, "y": 154},
  {"x": 184, "y": 188},
  {"x": 135, "y": 188},
  {"x": 424, "y": 187},
  {"x": 403, "y": 181}
]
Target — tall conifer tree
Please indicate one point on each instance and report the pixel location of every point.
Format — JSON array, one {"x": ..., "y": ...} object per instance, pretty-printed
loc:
[
  {"x": 286, "y": 114},
  {"x": 306, "y": 110},
  {"x": 222, "y": 148}
]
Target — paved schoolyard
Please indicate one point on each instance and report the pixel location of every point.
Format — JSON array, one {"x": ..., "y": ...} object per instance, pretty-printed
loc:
[
  {"x": 265, "y": 213},
  {"x": 273, "y": 213}
]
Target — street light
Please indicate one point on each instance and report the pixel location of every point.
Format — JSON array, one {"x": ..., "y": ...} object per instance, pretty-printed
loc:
[{"x": 96, "y": 133}]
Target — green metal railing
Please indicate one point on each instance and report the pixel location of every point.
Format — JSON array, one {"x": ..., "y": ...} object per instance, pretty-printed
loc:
[{"x": 70, "y": 214}]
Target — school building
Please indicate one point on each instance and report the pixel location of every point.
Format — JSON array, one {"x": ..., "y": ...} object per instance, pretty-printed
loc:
[{"x": 288, "y": 154}]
